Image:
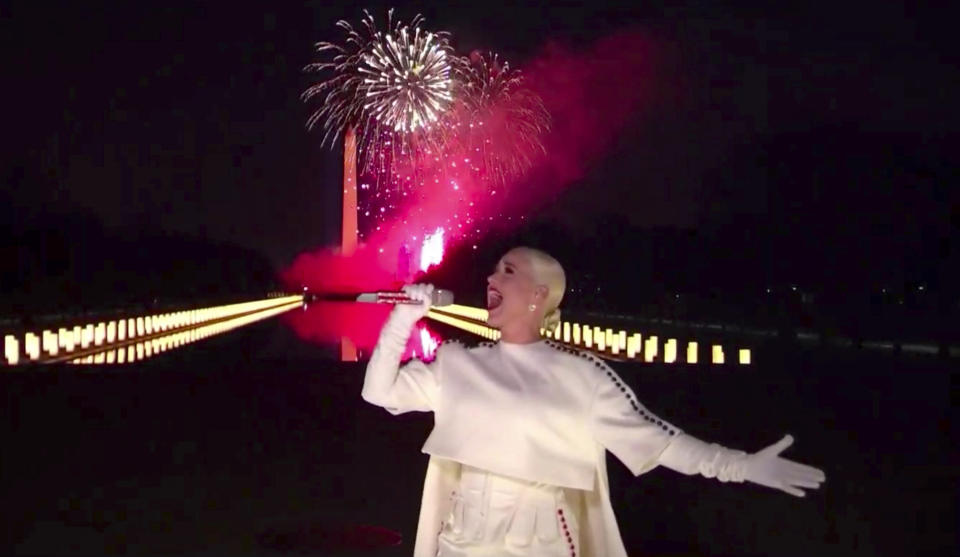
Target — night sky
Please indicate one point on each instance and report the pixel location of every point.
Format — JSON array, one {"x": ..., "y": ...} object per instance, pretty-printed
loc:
[{"x": 186, "y": 117}]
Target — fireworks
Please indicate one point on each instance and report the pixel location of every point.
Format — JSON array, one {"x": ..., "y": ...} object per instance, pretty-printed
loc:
[
  {"x": 389, "y": 87},
  {"x": 431, "y": 252},
  {"x": 438, "y": 136},
  {"x": 408, "y": 80},
  {"x": 491, "y": 135},
  {"x": 500, "y": 121}
]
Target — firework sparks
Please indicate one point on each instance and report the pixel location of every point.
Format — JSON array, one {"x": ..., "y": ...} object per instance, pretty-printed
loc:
[
  {"x": 438, "y": 136},
  {"x": 431, "y": 253},
  {"x": 501, "y": 122},
  {"x": 408, "y": 80},
  {"x": 390, "y": 87},
  {"x": 493, "y": 135}
]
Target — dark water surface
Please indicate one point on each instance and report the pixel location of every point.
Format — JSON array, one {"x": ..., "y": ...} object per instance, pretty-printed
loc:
[{"x": 258, "y": 444}]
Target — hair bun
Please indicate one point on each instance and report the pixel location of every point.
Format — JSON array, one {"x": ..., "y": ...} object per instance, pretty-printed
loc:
[{"x": 551, "y": 320}]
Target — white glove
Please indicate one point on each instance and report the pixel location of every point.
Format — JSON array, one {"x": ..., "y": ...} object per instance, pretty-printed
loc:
[
  {"x": 408, "y": 314},
  {"x": 382, "y": 384},
  {"x": 385, "y": 384},
  {"x": 767, "y": 468},
  {"x": 689, "y": 455}
]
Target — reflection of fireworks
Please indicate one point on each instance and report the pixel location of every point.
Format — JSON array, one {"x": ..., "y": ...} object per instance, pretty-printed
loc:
[
  {"x": 429, "y": 343},
  {"x": 500, "y": 121},
  {"x": 386, "y": 86},
  {"x": 408, "y": 83}
]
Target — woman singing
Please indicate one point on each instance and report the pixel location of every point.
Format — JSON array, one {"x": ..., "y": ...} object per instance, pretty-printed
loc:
[{"x": 521, "y": 428}]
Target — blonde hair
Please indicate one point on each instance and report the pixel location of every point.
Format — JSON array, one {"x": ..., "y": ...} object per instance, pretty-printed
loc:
[{"x": 548, "y": 272}]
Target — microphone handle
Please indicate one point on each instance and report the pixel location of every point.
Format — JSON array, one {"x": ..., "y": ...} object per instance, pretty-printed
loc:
[
  {"x": 394, "y": 298},
  {"x": 367, "y": 297},
  {"x": 384, "y": 298},
  {"x": 439, "y": 298}
]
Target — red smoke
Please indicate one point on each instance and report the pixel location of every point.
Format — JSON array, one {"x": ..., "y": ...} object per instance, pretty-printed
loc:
[
  {"x": 327, "y": 322},
  {"x": 591, "y": 95},
  {"x": 372, "y": 267}
]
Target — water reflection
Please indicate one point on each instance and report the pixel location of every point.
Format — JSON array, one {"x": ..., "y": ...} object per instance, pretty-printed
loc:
[
  {"x": 355, "y": 327},
  {"x": 429, "y": 342}
]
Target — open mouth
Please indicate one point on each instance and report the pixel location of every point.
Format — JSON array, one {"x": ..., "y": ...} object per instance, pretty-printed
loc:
[{"x": 494, "y": 298}]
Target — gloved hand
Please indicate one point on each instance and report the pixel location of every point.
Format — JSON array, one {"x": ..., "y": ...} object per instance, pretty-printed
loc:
[
  {"x": 767, "y": 468},
  {"x": 408, "y": 314},
  {"x": 385, "y": 384}
]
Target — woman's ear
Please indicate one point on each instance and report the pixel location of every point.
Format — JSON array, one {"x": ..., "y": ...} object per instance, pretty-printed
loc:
[{"x": 541, "y": 292}]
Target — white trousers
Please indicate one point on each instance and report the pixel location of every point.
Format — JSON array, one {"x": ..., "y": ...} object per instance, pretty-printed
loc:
[{"x": 497, "y": 516}]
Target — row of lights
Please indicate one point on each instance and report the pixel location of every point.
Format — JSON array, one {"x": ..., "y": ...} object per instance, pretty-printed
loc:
[
  {"x": 52, "y": 345},
  {"x": 488, "y": 333},
  {"x": 616, "y": 344},
  {"x": 131, "y": 353}
]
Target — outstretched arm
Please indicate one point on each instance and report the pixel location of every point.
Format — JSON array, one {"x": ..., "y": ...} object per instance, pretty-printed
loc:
[
  {"x": 413, "y": 387},
  {"x": 642, "y": 441},
  {"x": 689, "y": 455}
]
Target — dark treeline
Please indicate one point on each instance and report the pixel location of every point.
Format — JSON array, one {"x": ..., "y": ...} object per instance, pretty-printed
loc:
[
  {"x": 688, "y": 275},
  {"x": 67, "y": 261}
]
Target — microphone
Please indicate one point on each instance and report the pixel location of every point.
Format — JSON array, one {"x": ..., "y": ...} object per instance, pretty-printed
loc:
[{"x": 440, "y": 297}]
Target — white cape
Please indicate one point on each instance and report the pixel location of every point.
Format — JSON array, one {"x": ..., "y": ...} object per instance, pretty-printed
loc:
[{"x": 599, "y": 535}]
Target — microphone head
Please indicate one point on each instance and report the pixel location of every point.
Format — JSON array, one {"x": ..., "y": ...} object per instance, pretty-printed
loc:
[{"x": 441, "y": 297}]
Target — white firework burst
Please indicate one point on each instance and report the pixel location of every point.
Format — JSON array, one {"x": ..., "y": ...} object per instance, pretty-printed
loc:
[
  {"x": 407, "y": 84},
  {"x": 391, "y": 87}
]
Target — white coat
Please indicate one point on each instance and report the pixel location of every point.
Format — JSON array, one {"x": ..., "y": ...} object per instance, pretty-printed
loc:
[{"x": 539, "y": 412}]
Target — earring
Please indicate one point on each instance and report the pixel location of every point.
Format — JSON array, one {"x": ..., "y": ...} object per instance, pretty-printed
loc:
[{"x": 533, "y": 307}]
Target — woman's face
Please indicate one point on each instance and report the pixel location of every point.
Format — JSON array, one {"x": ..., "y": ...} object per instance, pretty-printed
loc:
[{"x": 511, "y": 289}]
